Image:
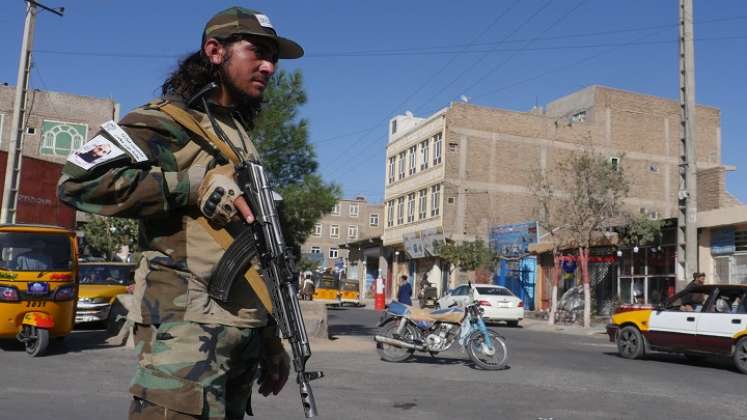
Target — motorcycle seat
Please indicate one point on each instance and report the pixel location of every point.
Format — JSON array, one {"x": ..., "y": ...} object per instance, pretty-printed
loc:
[{"x": 452, "y": 315}]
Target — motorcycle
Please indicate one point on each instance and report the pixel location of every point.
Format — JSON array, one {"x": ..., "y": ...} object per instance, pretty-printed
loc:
[{"x": 406, "y": 330}]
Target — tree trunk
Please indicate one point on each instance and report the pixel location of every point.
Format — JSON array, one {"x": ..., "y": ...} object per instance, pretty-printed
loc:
[
  {"x": 555, "y": 280},
  {"x": 583, "y": 254}
]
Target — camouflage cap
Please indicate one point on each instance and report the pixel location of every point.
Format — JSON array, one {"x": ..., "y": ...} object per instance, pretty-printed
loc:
[{"x": 239, "y": 20}]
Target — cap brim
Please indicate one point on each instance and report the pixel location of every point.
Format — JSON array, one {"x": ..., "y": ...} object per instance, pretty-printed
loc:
[{"x": 288, "y": 49}]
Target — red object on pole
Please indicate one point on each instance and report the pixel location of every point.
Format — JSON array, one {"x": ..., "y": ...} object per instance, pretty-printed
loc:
[{"x": 379, "y": 301}]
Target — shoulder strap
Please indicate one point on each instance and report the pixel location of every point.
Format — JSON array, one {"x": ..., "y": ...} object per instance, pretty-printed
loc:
[
  {"x": 188, "y": 121},
  {"x": 223, "y": 238}
]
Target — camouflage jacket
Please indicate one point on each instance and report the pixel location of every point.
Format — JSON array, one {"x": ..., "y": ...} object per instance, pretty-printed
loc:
[{"x": 154, "y": 177}]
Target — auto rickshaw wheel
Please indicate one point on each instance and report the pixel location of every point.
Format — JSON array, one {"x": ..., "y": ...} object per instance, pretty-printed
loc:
[{"x": 37, "y": 341}]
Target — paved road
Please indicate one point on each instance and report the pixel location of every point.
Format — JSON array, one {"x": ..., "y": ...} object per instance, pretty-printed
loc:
[{"x": 551, "y": 375}]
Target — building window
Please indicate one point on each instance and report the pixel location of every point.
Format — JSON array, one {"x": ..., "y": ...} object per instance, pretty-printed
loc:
[
  {"x": 424, "y": 155},
  {"x": 451, "y": 200},
  {"x": 316, "y": 250},
  {"x": 435, "y": 199},
  {"x": 336, "y": 210},
  {"x": 318, "y": 229},
  {"x": 392, "y": 169},
  {"x": 373, "y": 219},
  {"x": 334, "y": 231},
  {"x": 333, "y": 252},
  {"x": 61, "y": 138},
  {"x": 394, "y": 126},
  {"x": 353, "y": 210},
  {"x": 615, "y": 163},
  {"x": 400, "y": 210},
  {"x": 390, "y": 213},
  {"x": 453, "y": 147},
  {"x": 352, "y": 231},
  {"x": 410, "y": 207},
  {"x": 423, "y": 204},
  {"x": 402, "y": 165},
  {"x": 413, "y": 155},
  {"x": 437, "y": 141}
]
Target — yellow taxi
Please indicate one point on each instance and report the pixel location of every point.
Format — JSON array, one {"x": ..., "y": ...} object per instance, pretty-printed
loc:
[
  {"x": 716, "y": 326},
  {"x": 100, "y": 284}
]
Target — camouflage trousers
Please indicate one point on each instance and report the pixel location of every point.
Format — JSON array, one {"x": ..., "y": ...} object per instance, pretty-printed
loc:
[{"x": 188, "y": 370}]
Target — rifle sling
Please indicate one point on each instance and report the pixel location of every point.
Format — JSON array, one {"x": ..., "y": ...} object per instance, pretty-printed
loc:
[{"x": 221, "y": 236}]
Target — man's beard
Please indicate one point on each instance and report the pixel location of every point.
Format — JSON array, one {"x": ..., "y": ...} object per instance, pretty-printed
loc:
[{"x": 245, "y": 104}]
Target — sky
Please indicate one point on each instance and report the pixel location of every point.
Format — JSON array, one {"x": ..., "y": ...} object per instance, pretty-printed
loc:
[{"x": 366, "y": 62}]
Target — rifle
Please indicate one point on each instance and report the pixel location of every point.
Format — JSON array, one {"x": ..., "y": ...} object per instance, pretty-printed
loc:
[{"x": 264, "y": 239}]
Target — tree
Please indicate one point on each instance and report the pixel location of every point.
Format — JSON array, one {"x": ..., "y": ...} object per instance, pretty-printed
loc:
[
  {"x": 585, "y": 194},
  {"x": 543, "y": 191},
  {"x": 641, "y": 230},
  {"x": 105, "y": 235},
  {"x": 282, "y": 141},
  {"x": 467, "y": 256}
]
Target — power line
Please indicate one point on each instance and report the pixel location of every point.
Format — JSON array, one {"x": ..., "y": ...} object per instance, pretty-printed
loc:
[
  {"x": 555, "y": 70},
  {"x": 427, "y": 82},
  {"x": 451, "y": 48},
  {"x": 482, "y": 57}
]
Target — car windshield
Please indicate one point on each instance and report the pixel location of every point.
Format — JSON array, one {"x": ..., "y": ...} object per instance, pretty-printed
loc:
[
  {"x": 493, "y": 291},
  {"x": 103, "y": 274},
  {"x": 26, "y": 251},
  {"x": 349, "y": 286}
]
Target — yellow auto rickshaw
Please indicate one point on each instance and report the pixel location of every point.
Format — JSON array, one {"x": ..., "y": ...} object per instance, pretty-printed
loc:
[
  {"x": 326, "y": 289},
  {"x": 349, "y": 292},
  {"x": 38, "y": 284}
]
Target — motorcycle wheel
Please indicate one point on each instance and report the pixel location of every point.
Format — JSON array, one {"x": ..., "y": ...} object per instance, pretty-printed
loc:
[
  {"x": 476, "y": 353},
  {"x": 391, "y": 353},
  {"x": 38, "y": 342}
]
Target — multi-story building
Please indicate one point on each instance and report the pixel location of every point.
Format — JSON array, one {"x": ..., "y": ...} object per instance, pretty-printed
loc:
[
  {"x": 55, "y": 125},
  {"x": 349, "y": 221},
  {"x": 466, "y": 169}
]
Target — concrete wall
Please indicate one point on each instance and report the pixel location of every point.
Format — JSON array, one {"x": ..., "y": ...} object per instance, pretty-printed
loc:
[{"x": 53, "y": 106}]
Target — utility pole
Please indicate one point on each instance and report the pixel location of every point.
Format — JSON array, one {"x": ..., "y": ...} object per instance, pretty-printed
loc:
[
  {"x": 687, "y": 230},
  {"x": 15, "y": 146}
]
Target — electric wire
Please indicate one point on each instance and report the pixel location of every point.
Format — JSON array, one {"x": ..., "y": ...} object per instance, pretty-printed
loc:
[{"x": 423, "y": 85}]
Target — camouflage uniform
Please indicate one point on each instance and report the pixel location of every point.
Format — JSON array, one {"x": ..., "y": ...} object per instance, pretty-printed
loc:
[{"x": 204, "y": 354}]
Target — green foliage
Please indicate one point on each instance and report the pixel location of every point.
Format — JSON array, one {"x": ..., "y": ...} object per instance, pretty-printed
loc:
[
  {"x": 305, "y": 264},
  {"x": 596, "y": 192},
  {"x": 583, "y": 195},
  {"x": 642, "y": 231},
  {"x": 104, "y": 235},
  {"x": 468, "y": 256},
  {"x": 303, "y": 205},
  {"x": 282, "y": 141}
]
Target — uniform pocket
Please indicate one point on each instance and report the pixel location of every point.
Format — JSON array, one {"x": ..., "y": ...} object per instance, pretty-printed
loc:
[{"x": 168, "y": 391}]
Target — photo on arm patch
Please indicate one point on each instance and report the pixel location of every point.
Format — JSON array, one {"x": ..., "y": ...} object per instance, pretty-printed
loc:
[{"x": 96, "y": 151}]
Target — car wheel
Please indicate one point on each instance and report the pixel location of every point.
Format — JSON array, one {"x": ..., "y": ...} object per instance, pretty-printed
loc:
[
  {"x": 740, "y": 355},
  {"x": 630, "y": 343}
]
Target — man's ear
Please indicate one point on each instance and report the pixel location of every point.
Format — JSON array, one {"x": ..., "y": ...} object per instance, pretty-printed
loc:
[{"x": 214, "y": 51}]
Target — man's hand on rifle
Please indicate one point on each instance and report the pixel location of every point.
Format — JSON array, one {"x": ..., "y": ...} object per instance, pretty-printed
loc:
[
  {"x": 219, "y": 197},
  {"x": 275, "y": 366}
]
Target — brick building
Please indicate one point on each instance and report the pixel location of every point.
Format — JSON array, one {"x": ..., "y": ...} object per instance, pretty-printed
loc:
[
  {"x": 56, "y": 124},
  {"x": 466, "y": 169},
  {"x": 351, "y": 220}
]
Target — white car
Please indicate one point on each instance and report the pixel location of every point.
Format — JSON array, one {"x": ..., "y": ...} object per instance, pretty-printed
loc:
[{"x": 498, "y": 303}]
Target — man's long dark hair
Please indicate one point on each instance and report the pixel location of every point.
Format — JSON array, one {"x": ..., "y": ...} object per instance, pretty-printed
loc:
[{"x": 194, "y": 73}]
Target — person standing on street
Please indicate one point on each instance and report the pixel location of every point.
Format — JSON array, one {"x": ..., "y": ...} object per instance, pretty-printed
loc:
[
  {"x": 197, "y": 356},
  {"x": 404, "y": 294}
]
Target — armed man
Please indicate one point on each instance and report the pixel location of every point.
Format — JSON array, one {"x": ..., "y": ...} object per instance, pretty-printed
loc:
[{"x": 172, "y": 165}]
